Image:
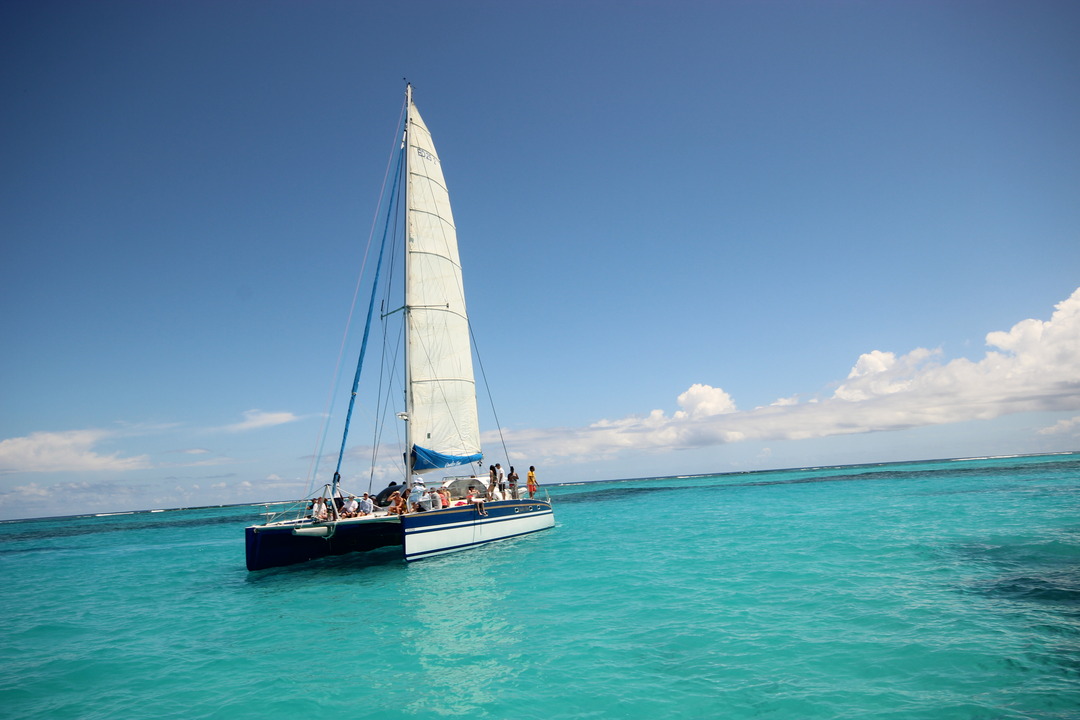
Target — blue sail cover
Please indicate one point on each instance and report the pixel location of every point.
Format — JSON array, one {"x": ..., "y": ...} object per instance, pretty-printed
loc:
[{"x": 424, "y": 459}]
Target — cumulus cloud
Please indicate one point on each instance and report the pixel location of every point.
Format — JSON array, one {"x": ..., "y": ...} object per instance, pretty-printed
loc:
[
  {"x": 1034, "y": 366},
  {"x": 704, "y": 401},
  {"x": 73, "y": 450},
  {"x": 255, "y": 419},
  {"x": 1062, "y": 427}
]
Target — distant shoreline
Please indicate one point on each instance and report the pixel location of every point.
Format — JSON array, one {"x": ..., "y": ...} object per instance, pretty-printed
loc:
[{"x": 809, "y": 468}]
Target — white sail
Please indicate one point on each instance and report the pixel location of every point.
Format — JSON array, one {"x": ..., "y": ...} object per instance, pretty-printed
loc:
[{"x": 442, "y": 408}]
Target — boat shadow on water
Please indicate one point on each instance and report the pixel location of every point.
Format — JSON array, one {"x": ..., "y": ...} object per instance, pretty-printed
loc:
[{"x": 383, "y": 559}]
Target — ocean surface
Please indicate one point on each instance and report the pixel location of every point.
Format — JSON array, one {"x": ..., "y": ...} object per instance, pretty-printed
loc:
[{"x": 944, "y": 589}]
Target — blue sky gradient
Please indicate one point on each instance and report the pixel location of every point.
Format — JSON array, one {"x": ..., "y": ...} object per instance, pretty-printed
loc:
[{"x": 696, "y": 236}]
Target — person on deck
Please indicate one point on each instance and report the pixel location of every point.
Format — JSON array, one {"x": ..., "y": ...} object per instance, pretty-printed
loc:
[
  {"x": 383, "y": 498},
  {"x": 511, "y": 480},
  {"x": 351, "y": 506},
  {"x": 318, "y": 509},
  {"x": 420, "y": 499},
  {"x": 530, "y": 480},
  {"x": 502, "y": 478},
  {"x": 397, "y": 504},
  {"x": 365, "y": 506},
  {"x": 477, "y": 500}
]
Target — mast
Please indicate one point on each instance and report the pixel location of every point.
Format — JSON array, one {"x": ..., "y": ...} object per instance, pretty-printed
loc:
[{"x": 405, "y": 249}]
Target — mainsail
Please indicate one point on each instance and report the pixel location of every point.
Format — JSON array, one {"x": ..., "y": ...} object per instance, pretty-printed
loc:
[{"x": 443, "y": 425}]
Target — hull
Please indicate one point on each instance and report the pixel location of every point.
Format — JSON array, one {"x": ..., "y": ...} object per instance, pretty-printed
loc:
[
  {"x": 289, "y": 543},
  {"x": 421, "y": 535},
  {"x": 460, "y": 528}
]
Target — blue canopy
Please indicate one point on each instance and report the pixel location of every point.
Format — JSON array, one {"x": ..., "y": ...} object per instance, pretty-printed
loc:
[{"x": 424, "y": 459}]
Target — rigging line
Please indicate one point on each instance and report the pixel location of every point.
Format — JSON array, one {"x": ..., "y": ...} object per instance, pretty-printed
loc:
[
  {"x": 320, "y": 443},
  {"x": 392, "y": 383},
  {"x": 487, "y": 388},
  {"x": 387, "y": 379},
  {"x": 367, "y": 324}
]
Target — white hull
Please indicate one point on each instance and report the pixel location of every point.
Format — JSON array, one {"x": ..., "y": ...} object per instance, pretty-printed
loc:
[{"x": 439, "y": 532}]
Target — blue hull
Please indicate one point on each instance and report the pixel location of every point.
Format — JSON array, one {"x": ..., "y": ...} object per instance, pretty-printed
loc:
[{"x": 275, "y": 545}]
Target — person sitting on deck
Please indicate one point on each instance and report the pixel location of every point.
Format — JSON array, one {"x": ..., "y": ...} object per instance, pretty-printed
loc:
[
  {"x": 436, "y": 499},
  {"x": 350, "y": 507},
  {"x": 383, "y": 498},
  {"x": 397, "y": 504},
  {"x": 365, "y": 506},
  {"x": 419, "y": 500},
  {"x": 318, "y": 508},
  {"x": 444, "y": 494},
  {"x": 476, "y": 500}
]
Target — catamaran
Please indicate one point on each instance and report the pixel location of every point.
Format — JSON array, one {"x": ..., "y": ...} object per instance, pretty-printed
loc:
[{"x": 440, "y": 413}]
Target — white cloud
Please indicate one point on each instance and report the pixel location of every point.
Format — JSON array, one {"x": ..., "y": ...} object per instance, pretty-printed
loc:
[
  {"x": 32, "y": 490},
  {"x": 1062, "y": 427},
  {"x": 255, "y": 419},
  {"x": 1034, "y": 366},
  {"x": 881, "y": 373},
  {"x": 63, "y": 452},
  {"x": 704, "y": 401},
  {"x": 32, "y": 500}
]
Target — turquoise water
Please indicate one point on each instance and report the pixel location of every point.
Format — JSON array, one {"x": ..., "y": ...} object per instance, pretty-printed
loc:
[{"x": 920, "y": 590}]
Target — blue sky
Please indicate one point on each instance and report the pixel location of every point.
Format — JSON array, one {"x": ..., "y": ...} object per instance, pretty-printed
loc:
[{"x": 697, "y": 237}]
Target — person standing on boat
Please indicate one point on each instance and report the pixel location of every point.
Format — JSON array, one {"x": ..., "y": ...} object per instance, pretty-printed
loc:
[
  {"x": 511, "y": 479},
  {"x": 493, "y": 482},
  {"x": 502, "y": 478},
  {"x": 530, "y": 479}
]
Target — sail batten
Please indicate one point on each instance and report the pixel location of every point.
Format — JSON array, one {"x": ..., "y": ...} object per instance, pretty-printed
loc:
[{"x": 442, "y": 413}]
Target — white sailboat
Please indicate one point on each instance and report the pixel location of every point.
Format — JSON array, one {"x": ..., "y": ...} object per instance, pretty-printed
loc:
[{"x": 441, "y": 419}]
